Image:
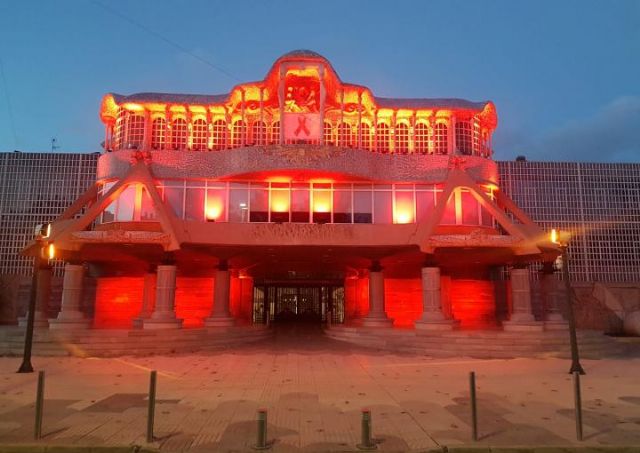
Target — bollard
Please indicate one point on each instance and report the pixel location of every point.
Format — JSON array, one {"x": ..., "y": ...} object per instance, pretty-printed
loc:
[
  {"x": 366, "y": 442},
  {"x": 578, "y": 403},
  {"x": 474, "y": 407},
  {"x": 152, "y": 405},
  {"x": 37, "y": 434},
  {"x": 261, "y": 438}
]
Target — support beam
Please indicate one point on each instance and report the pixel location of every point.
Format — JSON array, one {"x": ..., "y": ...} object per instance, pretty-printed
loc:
[
  {"x": 164, "y": 316},
  {"x": 433, "y": 318},
  {"x": 148, "y": 298},
  {"x": 70, "y": 315},
  {"x": 220, "y": 315},
  {"x": 377, "y": 316}
]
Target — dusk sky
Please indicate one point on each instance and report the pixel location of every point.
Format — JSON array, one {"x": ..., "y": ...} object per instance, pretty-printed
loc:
[{"x": 564, "y": 75}]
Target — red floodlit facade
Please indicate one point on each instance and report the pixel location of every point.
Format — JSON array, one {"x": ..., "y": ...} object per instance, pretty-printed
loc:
[{"x": 297, "y": 197}]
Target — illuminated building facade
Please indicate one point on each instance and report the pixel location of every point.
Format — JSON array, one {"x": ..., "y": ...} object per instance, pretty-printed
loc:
[{"x": 298, "y": 197}]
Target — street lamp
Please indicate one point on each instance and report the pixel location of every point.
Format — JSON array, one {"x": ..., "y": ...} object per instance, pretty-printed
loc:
[
  {"x": 561, "y": 239},
  {"x": 45, "y": 251}
]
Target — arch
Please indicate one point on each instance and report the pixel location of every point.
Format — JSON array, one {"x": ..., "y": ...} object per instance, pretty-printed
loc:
[
  {"x": 158, "y": 133},
  {"x": 199, "y": 135},
  {"x": 401, "y": 138},
  {"x": 237, "y": 133},
  {"x": 421, "y": 138},
  {"x": 258, "y": 133},
  {"x": 464, "y": 142},
  {"x": 179, "y": 134},
  {"x": 219, "y": 134},
  {"x": 441, "y": 138},
  {"x": 382, "y": 138}
]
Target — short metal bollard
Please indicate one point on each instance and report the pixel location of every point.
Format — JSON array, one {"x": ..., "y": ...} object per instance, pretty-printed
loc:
[
  {"x": 261, "y": 438},
  {"x": 37, "y": 433},
  {"x": 151, "y": 409},
  {"x": 474, "y": 406},
  {"x": 366, "y": 440},
  {"x": 578, "y": 403}
]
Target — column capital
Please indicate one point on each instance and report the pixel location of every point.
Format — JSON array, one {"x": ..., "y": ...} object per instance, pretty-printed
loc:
[
  {"x": 375, "y": 266},
  {"x": 430, "y": 261},
  {"x": 223, "y": 265}
]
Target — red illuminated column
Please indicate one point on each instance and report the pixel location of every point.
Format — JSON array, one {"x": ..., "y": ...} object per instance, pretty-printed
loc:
[
  {"x": 433, "y": 317},
  {"x": 551, "y": 296},
  {"x": 220, "y": 315},
  {"x": 377, "y": 316},
  {"x": 522, "y": 318},
  {"x": 70, "y": 316},
  {"x": 164, "y": 315},
  {"x": 148, "y": 298},
  {"x": 43, "y": 294}
]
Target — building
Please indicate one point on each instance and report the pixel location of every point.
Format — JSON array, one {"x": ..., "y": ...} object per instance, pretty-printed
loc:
[{"x": 303, "y": 197}]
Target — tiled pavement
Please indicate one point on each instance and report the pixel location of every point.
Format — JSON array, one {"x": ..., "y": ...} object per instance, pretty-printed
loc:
[{"x": 314, "y": 389}]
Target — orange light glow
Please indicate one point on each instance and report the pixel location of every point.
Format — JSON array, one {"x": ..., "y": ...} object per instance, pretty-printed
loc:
[
  {"x": 404, "y": 216},
  {"x": 213, "y": 212},
  {"x": 280, "y": 200},
  {"x": 554, "y": 236},
  {"x": 51, "y": 251}
]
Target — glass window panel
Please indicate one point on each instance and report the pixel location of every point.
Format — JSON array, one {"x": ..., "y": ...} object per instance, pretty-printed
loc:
[
  {"x": 300, "y": 205},
  {"x": 469, "y": 209},
  {"x": 109, "y": 214},
  {"x": 126, "y": 203},
  {"x": 449, "y": 217},
  {"x": 147, "y": 210},
  {"x": 404, "y": 207},
  {"x": 487, "y": 219},
  {"x": 382, "y": 187},
  {"x": 215, "y": 205},
  {"x": 280, "y": 204},
  {"x": 259, "y": 205},
  {"x": 174, "y": 198},
  {"x": 362, "y": 207},
  {"x": 321, "y": 204},
  {"x": 424, "y": 205},
  {"x": 238, "y": 185},
  {"x": 382, "y": 207},
  {"x": 362, "y": 187},
  {"x": 238, "y": 205},
  {"x": 173, "y": 183},
  {"x": 342, "y": 206},
  {"x": 194, "y": 205}
]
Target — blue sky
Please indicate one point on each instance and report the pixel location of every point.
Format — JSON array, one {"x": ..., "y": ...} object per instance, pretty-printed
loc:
[{"x": 565, "y": 75}]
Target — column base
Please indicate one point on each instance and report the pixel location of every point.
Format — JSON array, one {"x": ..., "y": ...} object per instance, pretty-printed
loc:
[
  {"x": 437, "y": 324},
  {"x": 161, "y": 324},
  {"x": 40, "y": 321},
  {"x": 219, "y": 321},
  {"x": 69, "y": 323},
  {"x": 376, "y": 322},
  {"x": 516, "y": 325},
  {"x": 556, "y": 324}
]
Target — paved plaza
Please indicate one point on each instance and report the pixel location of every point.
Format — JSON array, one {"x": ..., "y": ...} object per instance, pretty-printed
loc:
[{"x": 314, "y": 389}]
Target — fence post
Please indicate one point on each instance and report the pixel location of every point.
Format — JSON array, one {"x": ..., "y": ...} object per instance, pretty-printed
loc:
[
  {"x": 577, "y": 397},
  {"x": 37, "y": 434},
  {"x": 474, "y": 406},
  {"x": 151, "y": 406}
]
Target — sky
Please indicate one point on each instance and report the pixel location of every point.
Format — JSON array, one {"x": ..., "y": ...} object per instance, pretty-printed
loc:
[{"x": 564, "y": 75}]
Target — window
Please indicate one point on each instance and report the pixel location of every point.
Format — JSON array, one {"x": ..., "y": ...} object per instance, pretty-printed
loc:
[
  {"x": 237, "y": 135},
  {"x": 179, "y": 134},
  {"x": 135, "y": 132},
  {"x": 476, "y": 138},
  {"x": 342, "y": 203},
  {"x": 199, "y": 142},
  {"x": 275, "y": 133},
  {"x": 158, "y": 133},
  {"x": 463, "y": 137},
  {"x": 420, "y": 139},
  {"x": 219, "y": 134},
  {"x": 118, "y": 132},
  {"x": 402, "y": 138},
  {"x": 382, "y": 138},
  {"x": 328, "y": 133},
  {"x": 441, "y": 132},
  {"x": 345, "y": 135},
  {"x": 365, "y": 132},
  {"x": 258, "y": 133},
  {"x": 300, "y": 203}
]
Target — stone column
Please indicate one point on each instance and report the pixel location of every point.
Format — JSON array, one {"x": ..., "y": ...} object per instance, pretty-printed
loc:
[
  {"x": 376, "y": 316},
  {"x": 70, "y": 316},
  {"x": 433, "y": 317},
  {"x": 220, "y": 316},
  {"x": 551, "y": 296},
  {"x": 148, "y": 299},
  {"x": 522, "y": 318},
  {"x": 164, "y": 315},
  {"x": 43, "y": 294}
]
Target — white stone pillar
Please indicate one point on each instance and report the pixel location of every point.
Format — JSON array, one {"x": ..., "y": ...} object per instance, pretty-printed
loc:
[
  {"x": 220, "y": 315},
  {"x": 376, "y": 316},
  {"x": 551, "y": 296},
  {"x": 522, "y": 318},
  {"x": 70, "y": 316},
  {"x": 164, "y": 315},
  {"x": 148, "y": 299},
  {"x": 43, "y": 294},
  {"x": 433, "y": 317}
]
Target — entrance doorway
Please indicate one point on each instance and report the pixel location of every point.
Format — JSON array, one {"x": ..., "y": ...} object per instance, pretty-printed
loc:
[{"x": 298, "y": 303}]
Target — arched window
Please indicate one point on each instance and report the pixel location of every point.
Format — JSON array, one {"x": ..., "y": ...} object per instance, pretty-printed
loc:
[
  {"x": 179, "y": 133},
  {"x": 135, "y": 132},
  {"x": 219, "y": 134},
  {"x": 259, "y": 133},
  {"x": 328, "y": 133},
  {"x": 118, "y": 130},
  {"x": 275, "y": 133},
  {"x": 463, "y": 137},
  {"x": 402, "y": 138},
  {"x": 421, "y": 139},
  {"x": 345, "y": 135},
  {"x": 237, "y": 135},
  {"x": 441, "y": 137},
  {"x": 158, "y": 133},
  {"x": 365, "y": 133},
  {"x": 382, "y": 138},
  {"x": 199, "y": 135},
  {"x": 477, "y": 146}
]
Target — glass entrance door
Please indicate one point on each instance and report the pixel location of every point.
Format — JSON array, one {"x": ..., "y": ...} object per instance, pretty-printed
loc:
[{"x": 300, "y": 303}]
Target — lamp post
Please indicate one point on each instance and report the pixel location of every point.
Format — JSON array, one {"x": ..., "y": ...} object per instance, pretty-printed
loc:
[
  {"x": 43, "y": 250},
  {"x": 563, "y": 243}
]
